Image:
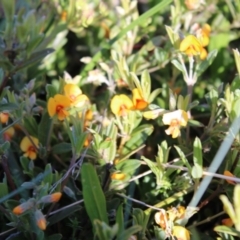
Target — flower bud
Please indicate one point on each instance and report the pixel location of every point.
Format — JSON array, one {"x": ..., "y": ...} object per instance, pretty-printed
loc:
[
  {"x": 51, "y": 198},
  {"x": 23, "y": 207},
  {"x": 40, "y": 220}
]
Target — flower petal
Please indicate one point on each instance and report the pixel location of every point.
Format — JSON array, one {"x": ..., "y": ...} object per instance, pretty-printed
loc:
[{"x": 51, "y": 107}]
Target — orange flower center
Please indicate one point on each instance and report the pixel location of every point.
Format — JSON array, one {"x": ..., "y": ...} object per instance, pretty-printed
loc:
[
  {"x": 31, "y": 149},
  {"x": 174, "y": 123},
  {"x": 141, "y": 104},
  {"x": 123, "y": 110},
  {"x": 59, "y": 108}
]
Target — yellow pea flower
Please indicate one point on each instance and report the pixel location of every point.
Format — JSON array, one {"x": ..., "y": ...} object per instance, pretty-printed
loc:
[
  {"x": 175, "y": 120},
  {"x": 118, "y": 176},
  {"x": 192, "y": 46},
  {"x": 138, "y": 100},
  {"x": 74, "y": 93},
  {"x": 161, "y": 218},
  {"x": 181, "y": 233},
  {"x": 203, "y": 34},
  {"x": 121, "y": 105},
  {"x": 192, "y": 4},
  {"x": 229, "y": 174},
  {"x": 227, "y": 222},
  {"x": 4, "y": 117},
  {"x": 58, "y": 105},
  {"x": 8, "y": 134},
  {"x": 29, "y": 149}
]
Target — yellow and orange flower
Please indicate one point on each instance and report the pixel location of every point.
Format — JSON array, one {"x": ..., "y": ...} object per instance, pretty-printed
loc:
[
  {"x": 161, "y": 219},
  {"x": 4, "y": 117},
  {"x": 229, "y": 174},
  {"x": 138, "y": 101},
  {"x": 193, "y": 4},
  {"x": 74, "y": 93},
  {"x": 175, "y": 120},
  {"x": 192, "y": 46},
  {"x": 40, "y": 220},
  {"x": 227, "y": 222},
  {"x": 58, "y": 105},
  {"x": 28, "y": 147},
  {"x": 118, "y": 176},
  {"x": 181, "y": 233},
  {"x": 203, "y": 34},
  {"x": 121, "y": 105},
  {"x": 8, "y": 134}
]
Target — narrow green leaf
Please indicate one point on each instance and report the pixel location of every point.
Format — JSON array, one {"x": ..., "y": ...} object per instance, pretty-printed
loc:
[
  {"x": 178, "y": 65},
  {"x": 8, "y": 107},
  {"x": 47, "y": 175},
  {"x": 94, "y": 199},
  {"x": 183, "y": 158},
  {"x": 197, "y": 170},
  {"x": 227, "y": 230},
  {"x": 44, "y": 129},
  {"x": 128, "y": 165},
  {"x": 206, "y": 63},
  {"x": 120, "y": 219},
  {"x": 129, "y": 232},
  {"x": 62, "y": 214},
  {"x": 62, "y": 148},
  {"x": 137, "y": 138},
  {"x": 157, "y": 171},
  {"x": 34, "y": 58}
]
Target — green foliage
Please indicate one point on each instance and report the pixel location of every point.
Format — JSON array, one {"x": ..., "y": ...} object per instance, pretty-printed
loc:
[{"x": 119, "y": 119}]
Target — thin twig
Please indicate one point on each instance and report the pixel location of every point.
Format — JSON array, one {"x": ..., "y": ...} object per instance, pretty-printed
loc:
[{"x": 208, "y": 219}]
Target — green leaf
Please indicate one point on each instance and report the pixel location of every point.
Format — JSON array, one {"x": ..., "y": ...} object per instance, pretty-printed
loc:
[
  {"x": 228, "y": 208},
  {"x": 47, "y": 175},
  {"x": 34, "y": 58},
  {"x": 157, "y": 171},
  {"x": 140, "y": 218},
  {"x": 146, "y": 84},
  {"x": 178, "y": 65},
  {"x": 44, "y": 129},
  {"x": 128, "y": 166},
  {"x": 137, "y": 138},
  {"x": 197, "y": 170},
  {"x": 51, "y": 90},
  {"x": 154, "y": 95},
  {"x": 183, "y": 158},
  {"x": 103, "y": 231},
  {"x": 120, "y": 219},
  {"x": 62, "y": 148},
  {"x": 4, "y": 190},
  {"x": 64, "y": 213},
  {"x": 206, "y": 63},
  {"x": 227, "y": 230},
  {"x": 94, "y": 199},
  {"x": 8, "y": 107},
  {"x": 129, "y": 232},
  {"x": 31, "y": 125}
]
